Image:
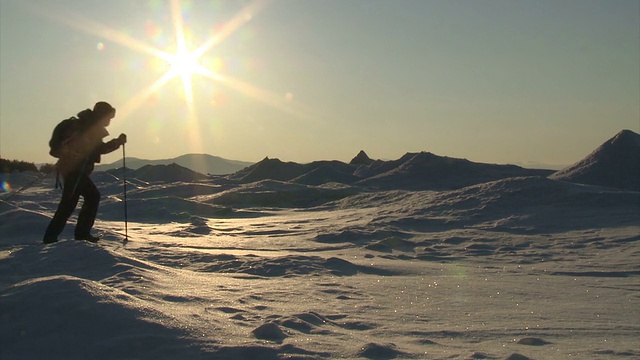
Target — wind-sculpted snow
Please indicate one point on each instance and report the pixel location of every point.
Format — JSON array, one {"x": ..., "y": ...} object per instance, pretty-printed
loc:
[
  {"x": 264, "y": 266},
  {"x": 161, "y": 210},
  {"x": 85, "y": 312},
  {"x": 280, "y": 194},
  {"x": 14, "y": 221},
  {"x": 534, "y": 203},
  {"x": 523, "y": 267}
]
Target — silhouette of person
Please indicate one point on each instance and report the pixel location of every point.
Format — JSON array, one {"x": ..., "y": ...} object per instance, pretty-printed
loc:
[{"x": 82, "y": 148}]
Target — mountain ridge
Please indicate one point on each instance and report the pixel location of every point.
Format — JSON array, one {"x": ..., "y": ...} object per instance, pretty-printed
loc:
[
  {"x": 412, "y": 171},
  {"x": 201, "y": 163},
  {"x": 614, "y": 164}
]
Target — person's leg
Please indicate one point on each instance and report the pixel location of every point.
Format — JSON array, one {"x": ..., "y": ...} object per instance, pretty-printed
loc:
[
  {"x": 66, "y": 206},
  {"x": 87, "y": 215}
]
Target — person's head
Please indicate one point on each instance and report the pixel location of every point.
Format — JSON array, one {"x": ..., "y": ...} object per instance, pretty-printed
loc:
[{"x": 103, "y": 113}]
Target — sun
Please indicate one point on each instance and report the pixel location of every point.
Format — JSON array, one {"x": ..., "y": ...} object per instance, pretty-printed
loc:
[{"x": 183, "y": 62}]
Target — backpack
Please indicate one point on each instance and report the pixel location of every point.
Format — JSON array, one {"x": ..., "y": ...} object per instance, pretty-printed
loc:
[{"x": 62, "y": 133}]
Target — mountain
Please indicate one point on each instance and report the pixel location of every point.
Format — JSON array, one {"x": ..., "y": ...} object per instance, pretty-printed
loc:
[
  {"x": 361, "y": 159},
  {"x": 315, "y": 173},
  {"x": 616, "y": 163},
  {"x": 272, "y": 169},
  {"x": 202, "y": 163},
  {"x": 413, "y": 171}
]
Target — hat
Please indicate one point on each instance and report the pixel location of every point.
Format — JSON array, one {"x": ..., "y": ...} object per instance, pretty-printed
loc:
[{"x": 102, "y": 108}]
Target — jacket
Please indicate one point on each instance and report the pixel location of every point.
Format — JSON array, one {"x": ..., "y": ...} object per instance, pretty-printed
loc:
[{"x": 85, "y": 146}]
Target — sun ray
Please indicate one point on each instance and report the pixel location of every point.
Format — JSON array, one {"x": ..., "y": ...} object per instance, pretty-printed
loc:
[
  {"x": 89, "y": 26},
  {"x": 142, "y": 96},
  {"x": 244, "y": 16},
  {"x": 183, "y": 63},
  {"x": 266, "y": 97}
]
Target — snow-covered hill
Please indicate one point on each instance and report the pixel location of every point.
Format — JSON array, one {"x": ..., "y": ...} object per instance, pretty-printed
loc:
[
  {"x": 413, "y": 171},
  {"x": 616, "y": 163}
]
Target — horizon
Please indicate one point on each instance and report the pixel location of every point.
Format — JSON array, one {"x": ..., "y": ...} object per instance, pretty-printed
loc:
[
  {"x": 493, "y": 82},
  {"x": 529, "y": 165}
]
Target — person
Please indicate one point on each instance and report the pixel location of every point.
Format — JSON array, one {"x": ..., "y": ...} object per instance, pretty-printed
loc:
[{"x": 82, "y": 148}]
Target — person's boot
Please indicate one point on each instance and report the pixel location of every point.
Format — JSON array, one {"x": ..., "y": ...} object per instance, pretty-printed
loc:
[
  {"x": 49, "y": 240},
  {"x": 87, "y": 237}
]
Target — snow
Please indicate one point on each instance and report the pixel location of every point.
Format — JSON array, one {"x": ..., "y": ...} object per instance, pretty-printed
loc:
[
  {"x": 616, "y": 163},
  {"x": 513, "y": 268}
]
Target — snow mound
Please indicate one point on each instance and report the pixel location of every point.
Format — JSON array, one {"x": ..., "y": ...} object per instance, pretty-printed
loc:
[
  {"x": 166, "y": 173},
  {"x": 160, "y": 210},
  {"x": 616, "y": 163},
  {"x": 272, "y": 169},
  {"x": 270, "y": 193},
  {"x": 380, "y": 351},
  {"x": 539, "y": 191},
  {"x": 268, "y": 267},
  {"x": 528, "y": 204},
  {"x": 15, "y": 221},
  {"x": 73, "y": 258},
  {"x": 269, "y": 331},
  {"x": 85, "y": 311},
  {"x": 178, "y": 189},
  {"x": 77, "y": 292}
]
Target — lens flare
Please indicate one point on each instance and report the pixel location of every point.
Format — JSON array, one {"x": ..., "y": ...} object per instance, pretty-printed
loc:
[
  {"x": 5, "y": 186},
  {"x": 153, "y": 31}
]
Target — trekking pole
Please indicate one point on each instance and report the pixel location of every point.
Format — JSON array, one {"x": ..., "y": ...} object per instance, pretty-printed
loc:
[{"x": 124, "y": 180}]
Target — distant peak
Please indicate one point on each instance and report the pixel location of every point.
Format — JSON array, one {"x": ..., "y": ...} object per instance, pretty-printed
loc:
[
  {"x": 626, "y": 136},
  {"x": 615, "y": 163},
  {"x": 361, "y": 159}
]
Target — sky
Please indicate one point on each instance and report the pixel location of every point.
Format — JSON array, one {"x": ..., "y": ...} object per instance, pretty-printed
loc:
[{"x": 508, "y": 82}]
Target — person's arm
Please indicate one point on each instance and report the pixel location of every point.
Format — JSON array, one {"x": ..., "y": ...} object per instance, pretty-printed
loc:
[{"x": 113, "y": 144}]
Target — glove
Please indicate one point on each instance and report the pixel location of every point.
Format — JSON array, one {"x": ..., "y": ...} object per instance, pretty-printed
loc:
[{"x": 122, "y": 139}]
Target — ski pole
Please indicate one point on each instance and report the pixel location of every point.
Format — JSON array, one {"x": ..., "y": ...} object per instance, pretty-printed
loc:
[{"x": 124, "y": 180}]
